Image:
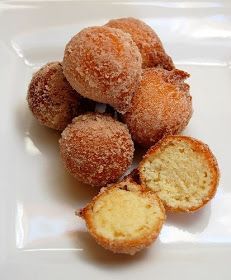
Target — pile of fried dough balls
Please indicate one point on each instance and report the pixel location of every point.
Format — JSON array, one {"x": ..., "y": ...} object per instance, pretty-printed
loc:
[{"x": 124, "y": 66}]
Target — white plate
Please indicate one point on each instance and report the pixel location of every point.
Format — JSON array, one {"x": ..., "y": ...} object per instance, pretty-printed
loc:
[{"x": 40, "y": 238}]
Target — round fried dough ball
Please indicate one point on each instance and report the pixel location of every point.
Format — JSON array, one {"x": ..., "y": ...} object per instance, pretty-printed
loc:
[
  {"x": 96, "y": 149},
  {"x": 103, "y": 64},
  {"x": 148, "y": 42},
  {"x": 162, "y": 105},
  {"x": 50, "y": 97}
]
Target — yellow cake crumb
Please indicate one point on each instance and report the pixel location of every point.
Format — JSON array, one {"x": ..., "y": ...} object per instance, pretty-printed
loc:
[
  {"x": 182, "y": 171},
  {"x": 125, "y": 217}
]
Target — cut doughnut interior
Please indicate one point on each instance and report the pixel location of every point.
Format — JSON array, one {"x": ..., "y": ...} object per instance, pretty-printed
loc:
[
  {"x": 182, "y": 171},
  {"x": 125, "y": 217}
]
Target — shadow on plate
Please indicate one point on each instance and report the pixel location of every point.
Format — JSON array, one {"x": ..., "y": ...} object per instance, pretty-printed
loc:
[
  {"x": 68, "y": 189},
  {"x": 191, "y": 222},
  {"x": 59, "y": 183},
  {"x": 65, "y": 187},
  {"x": 94, "y": 253},
  {"x": 43, "y": 138}
]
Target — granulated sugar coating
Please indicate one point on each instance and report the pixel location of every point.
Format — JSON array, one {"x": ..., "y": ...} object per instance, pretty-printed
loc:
[
  {"x": 50, "y": 97},
  {"x": 148, "y": 42},
  {"x": 96, "y": 149},
  {"x": 162, "y": 105},
  {"x": 103, "y": 64}
]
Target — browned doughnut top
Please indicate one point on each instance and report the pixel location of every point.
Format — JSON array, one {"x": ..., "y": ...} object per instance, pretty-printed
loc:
[
  {"x": 96, "y": 149},
  {"x": 103, "y": 64},
  {"x": 50, "y": 97},
  {"x": 148, "y": 42},
  {"x": 162, "y": 105}
]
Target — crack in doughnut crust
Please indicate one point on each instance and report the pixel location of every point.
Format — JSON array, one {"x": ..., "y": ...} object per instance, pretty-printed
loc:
[
  {"x": 148, "y": 42},
  {"x": 50, "y": 97},
  {"x": 161, "y": 106},
  {"x": 96, "y": 149},
  {"x": 124, "y": 217},
  {"x": 182, "y": 171},
  {"x": 103, "y": 64}
]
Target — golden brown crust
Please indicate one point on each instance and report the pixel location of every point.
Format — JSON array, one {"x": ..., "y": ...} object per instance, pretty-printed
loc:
[
  {"x": 198, "y": 147},
  {"x": 148, "y": 42},
  {"x": 123, "y": 246},
  {"x": 161, "y": 106},
  {"x": 96, "y": 149},
  {"x": 103, "y": 64},
  {"x": 50, "y": 97}
]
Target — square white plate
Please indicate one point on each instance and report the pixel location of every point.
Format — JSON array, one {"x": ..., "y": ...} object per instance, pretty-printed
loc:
[{"x": 40, "y": 238}]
